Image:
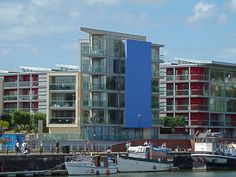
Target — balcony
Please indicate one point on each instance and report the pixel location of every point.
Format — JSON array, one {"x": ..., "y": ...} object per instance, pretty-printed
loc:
[
  {"x": 90, "y": 52},
  {"x": 157, "y": 58},
  {"x": 155, "y": 73},
  {"x": 86, "y": 85},
  {"x": 202, "y": 77},
  {"x": 62, "y": 120},
  {"x": 62, "y": 86},
  {"x": 7, "y": 110},
  {"x": 99, "y": 69},
  {"x": 155, "y": 88},
  {"x": 199, "y": 92},
  {"x": 184, "y": 77},
  {"x": 98, "y": 86},
  {"x": 28, "y": 97},
  {"x": 10, "y": 84},
  {"x": 182, "y": 92},
  {"x": 24, "y": 84},
  {"x": 98, "y": 103},
  {"x": 10, "y": 97},
  {"x": 62, "y": 104}
]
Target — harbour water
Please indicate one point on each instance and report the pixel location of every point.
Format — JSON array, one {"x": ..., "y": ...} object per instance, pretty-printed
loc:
[{"x": 179, "y": 174}]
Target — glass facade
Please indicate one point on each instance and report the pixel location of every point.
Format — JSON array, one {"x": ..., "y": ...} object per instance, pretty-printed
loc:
[
  {"x": 103, "y": 77},
  {"x": 62, "y": 99}
]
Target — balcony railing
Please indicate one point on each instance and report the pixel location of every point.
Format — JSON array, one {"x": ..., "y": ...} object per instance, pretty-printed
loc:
[
  {"x": 10, "y": 84},
  {"x": 24, "y": 84},
  {"x": 90, "y": 52},
  {"x": 194, "y": 92},
  {"x": 28, "y": 97},
  {"x": 97, "y": 86},
  {"x": 62, "y": 120},
  {"x": 62, "y": 86},
  {"x": 99, "y": 69},
  {"x": 98, "y": 103},
  {"x": 62, "y": 103},
  {"x": 10, "y": 97},
  {"x": 192, "y": 77},
  {"x": 157, "y": 58},
  {"x": 193, "y": 107},
  {"x": 155, "y": 88}
]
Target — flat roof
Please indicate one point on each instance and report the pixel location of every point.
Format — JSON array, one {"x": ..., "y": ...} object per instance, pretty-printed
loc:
[{"x": 112, "y": 33}]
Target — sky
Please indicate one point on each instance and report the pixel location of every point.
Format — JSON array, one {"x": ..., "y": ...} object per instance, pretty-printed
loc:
[{"x": 46, "y": 32}]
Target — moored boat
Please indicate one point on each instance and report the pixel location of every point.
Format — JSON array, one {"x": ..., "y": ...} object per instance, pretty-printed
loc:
[
  {"x": 145, "y": 159},
  {"x": 212, "y": 152},
  {"x": 92, "y": 165}
]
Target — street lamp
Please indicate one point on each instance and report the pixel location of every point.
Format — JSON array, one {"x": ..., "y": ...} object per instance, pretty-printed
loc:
[
  {"x": 94, "y": 133},
  {"x": 139, "y": 118}
]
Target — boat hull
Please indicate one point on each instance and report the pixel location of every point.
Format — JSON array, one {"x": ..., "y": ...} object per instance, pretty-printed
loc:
[
  {"x": 74, "y": 168},
  {"x": 129, "y": 164},
  {"x": 214, "y": 162}
]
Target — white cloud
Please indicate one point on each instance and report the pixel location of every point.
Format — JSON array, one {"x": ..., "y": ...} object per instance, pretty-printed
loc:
[
  {"x": 103, "y": 2},
  {"x": 201, "y": 11},
  {"x": 231, "y": 5}
]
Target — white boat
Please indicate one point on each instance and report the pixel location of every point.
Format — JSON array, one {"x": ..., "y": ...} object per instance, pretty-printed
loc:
[
  {"x": 212, "y": 152},
  {"x": 91, "y": 165},
  {"x": 145, "y": 159}
]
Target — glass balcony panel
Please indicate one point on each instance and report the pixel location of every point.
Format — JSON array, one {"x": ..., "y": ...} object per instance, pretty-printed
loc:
[
  {"x": 85, "y": 67},
  {"x": 62, "y": 103},
  {"x": 200, "y": 107},
  {"x": 216, "y": 122},
  {"x": 24, "y": 97},
  {"x": 182, "y": 107},
  {"x": 182, "y": 92},
  {"x": 35, "y": 83},
  {"x": 98, "y": 103},
  {"x": 200, "y": 92},
  {"x": 85, "y": 85},
  {"x": 169, "y": 92},
  {"x": 157, "y": 58},
  {"x": 203, "y": 77},
  {"x": 62, "y": 120},
  {"x": 182, "y": 77},
  {"x": 86, "y": 51},
  {"x": 10, "y": 84},
  {"x": 169, "y": 107},
  {"x": 24, "y": 84},
  {"x": 155, "y": 89},
  {"x": 99, "y": 69},
  {"x": 155, "y": 73},
  {"x": 62, "y": 86},
  {"x": 169, "y": 77},
  {"x": 97, "y": 86},
  {"x": 10, "y": 97}
]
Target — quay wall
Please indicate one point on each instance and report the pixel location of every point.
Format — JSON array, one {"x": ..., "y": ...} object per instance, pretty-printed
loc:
[{"x": 31, "y": 162}]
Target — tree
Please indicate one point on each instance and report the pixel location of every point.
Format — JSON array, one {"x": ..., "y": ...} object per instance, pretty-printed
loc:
[
  {"x": 3, "y": 125},
  {"x": 8, "y": 117},
  {"x": 21, "y": 118},
  {"x": 170, "y": 121}
]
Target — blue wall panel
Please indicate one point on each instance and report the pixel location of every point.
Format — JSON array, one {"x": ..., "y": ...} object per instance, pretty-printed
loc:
[{"x": 138, "y": 84}]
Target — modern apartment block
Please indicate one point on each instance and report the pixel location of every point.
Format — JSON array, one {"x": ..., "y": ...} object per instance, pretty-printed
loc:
[
  {"x": 120, "y": 75},
  {"x": 63, "y": 102},
  {"x": 24, "y": 90},
  {"x": 202, "y": 91}
]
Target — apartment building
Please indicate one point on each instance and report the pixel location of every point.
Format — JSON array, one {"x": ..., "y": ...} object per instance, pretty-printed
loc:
[
  {"x": 202, "y": 91},
  {"x": 120, "y": 79},
  {"x": 25, "y": 90},
  {"x": 64, "y": 102}
]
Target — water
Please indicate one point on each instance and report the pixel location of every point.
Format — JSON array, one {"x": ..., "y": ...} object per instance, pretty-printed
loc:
[{"x": 179, "y": 174}]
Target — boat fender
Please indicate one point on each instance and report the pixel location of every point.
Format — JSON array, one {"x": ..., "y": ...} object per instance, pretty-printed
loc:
[
  {"x": 154, "y": 167},
  {"x": 97, "y": 172},
  {"x": 108, "y": 172}
]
